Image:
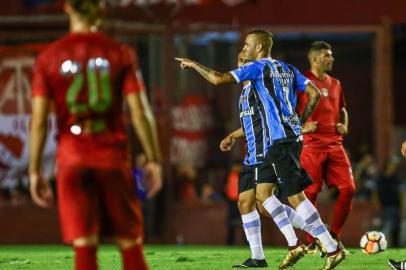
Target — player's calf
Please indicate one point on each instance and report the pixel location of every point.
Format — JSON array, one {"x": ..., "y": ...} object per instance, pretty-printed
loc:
[
  {"x": 132, "y": 253},
  {"x": 85, "y": 249}
]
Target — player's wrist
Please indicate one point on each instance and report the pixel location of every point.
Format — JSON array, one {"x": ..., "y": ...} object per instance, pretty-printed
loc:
[
  {"x": 153, "y": 161},
  {"x": 34, "y": 171}
]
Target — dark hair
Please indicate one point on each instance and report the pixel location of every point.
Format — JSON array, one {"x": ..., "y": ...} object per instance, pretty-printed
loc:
[
  {"x": 264, "y": 37},
  {"x": 89, "y": 9},
  {"x": 319, "y": 45}
]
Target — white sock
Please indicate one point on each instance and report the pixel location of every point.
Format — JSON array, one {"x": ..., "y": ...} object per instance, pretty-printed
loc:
[
  {"x": 309, "y": 213},
  {"x": 278, "y": 213},
  {"x": 252, "y": 229},
  {"x": 296, "y": 220}
]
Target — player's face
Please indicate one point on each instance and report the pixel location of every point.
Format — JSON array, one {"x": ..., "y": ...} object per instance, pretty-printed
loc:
[
  {"x": 249, "y": 48},
  {"x": 241, "y": 59},
  {"x": 325, "y": 60}
]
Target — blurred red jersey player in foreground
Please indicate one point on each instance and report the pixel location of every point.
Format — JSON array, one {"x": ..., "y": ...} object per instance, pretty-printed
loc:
[{"x": 88, "y": 76}]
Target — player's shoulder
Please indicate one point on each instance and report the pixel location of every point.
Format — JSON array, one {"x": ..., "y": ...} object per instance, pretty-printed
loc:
[
  {"x": 108, "y": 42},
  {"x": 112, "y": 42},
  {"x": 252, "y": 66},
  {"x": 309, "y": 74},
  {"x": 264, "y": 62},
  {"x": 285, "y": 65},
  {"x": 52, "y": 48},
  {"x": 333, "y": 80},
  {"x": 255, "y": 63}
]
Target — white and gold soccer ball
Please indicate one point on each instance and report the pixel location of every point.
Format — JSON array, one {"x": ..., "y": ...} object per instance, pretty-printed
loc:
[{"x": 373, "y": 242}]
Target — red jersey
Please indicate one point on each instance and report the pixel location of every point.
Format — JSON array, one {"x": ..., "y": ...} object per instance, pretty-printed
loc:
[
  {"x": 327, "y": 112},
  {"x": 87, "y": 75}
]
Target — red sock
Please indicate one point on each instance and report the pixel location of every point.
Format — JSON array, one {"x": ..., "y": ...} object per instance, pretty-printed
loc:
[
  {"x": 133, "y": 258},
  {"x": 85, "y": 258},
  {"x": 312, "y": 197},
  {"x": 342, "y": 209}
]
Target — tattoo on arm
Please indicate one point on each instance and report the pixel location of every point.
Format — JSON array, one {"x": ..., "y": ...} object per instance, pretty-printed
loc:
[
  {"x": 213, "y": 76},
  {"x": 314, "y": 96}
]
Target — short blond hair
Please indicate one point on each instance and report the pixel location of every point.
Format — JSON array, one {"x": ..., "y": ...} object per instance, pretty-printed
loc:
[{"x": 264, "y": 37}]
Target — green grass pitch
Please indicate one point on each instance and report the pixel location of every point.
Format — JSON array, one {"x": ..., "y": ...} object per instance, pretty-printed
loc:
[{"x": 180, "y": 258}]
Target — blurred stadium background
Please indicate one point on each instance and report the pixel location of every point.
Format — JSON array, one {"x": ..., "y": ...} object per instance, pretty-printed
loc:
[{"x": 369, "y": 44}]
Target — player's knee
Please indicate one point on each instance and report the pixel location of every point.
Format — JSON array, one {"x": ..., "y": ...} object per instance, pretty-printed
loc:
[
  {"x": 345, "y": 196},
  {"x": 264, "y": 193},
  {"x": 347, "y": 192},
  {"x": 262, "y": 210},
  {"x": 127, "y": 243},
  {"x": 245, "y": 206},
  {"x": 86, "y": 241},
  {"x": 261, "y": 197},
  {"x": 311, "y": 195}
]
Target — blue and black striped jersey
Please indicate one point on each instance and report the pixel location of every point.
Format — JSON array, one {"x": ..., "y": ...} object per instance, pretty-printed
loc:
[
  {"x": 253, "y": 127},
  {"x": 274, "y": 84}
]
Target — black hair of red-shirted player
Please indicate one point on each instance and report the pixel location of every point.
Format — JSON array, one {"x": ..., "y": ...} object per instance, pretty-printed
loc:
[
  {"x": 89, "y": 9},
  {"x": 320, "y": 45}
]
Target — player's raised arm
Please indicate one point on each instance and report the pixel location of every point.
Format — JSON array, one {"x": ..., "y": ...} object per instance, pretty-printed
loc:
[
  {"x": 210, "y": 75},
  {"x": 40, "y": 190},
  {"x": 227, "y": 143},
  {"x": 314, "y": 96}
]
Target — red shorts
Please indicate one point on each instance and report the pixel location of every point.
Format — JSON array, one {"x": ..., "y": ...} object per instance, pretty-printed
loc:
[
  {"x": 98, "y": 201},
  {"x": 332, "y": 165}
]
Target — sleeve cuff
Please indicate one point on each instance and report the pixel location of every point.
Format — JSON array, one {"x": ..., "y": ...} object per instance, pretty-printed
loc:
[
  {"x": 39, "y": 93},
  {"x": 235, "y": 76}
]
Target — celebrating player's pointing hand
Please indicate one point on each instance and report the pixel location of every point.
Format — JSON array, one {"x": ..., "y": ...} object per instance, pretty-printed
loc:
[{"x": 184, "y": 62}]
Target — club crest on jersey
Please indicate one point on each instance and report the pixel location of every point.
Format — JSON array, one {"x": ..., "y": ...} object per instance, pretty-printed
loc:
[{"x": 324, "y": 92}]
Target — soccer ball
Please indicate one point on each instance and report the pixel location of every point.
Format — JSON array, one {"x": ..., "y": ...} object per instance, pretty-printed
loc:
[{"x": 373, "y": 242}]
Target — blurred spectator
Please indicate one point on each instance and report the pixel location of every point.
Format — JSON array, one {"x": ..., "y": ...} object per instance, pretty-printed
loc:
[
  {"x": 209, "y": 194},
  {"x": 365, "y": 175},
  {"x": 138, "y": 174},
  {"x": 14, "y": 188},
  {"x": 186, "y": 183},
  {"x": 233, "y": 216},
  {"x": 387, "y": 196}
]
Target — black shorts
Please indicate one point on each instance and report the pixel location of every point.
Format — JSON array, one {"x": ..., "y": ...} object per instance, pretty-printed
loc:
[
  {"x": 251, "y": 175},
  {"x": 284, "y": 157}
]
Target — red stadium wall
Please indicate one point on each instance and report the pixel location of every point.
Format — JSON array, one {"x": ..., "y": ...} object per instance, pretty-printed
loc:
[
  {"x": 248, "y": 12},
  {"x": 27, "y": 224}
]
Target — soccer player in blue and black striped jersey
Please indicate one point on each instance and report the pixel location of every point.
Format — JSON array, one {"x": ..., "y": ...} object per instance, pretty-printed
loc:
[
  {"x": 275, "y": 84},
  {"x": 254, "y": 128}
]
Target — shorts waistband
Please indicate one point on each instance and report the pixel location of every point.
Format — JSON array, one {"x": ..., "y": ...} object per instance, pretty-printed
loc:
[{"x": 289, "y": 139}]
